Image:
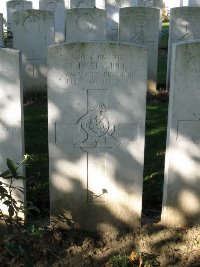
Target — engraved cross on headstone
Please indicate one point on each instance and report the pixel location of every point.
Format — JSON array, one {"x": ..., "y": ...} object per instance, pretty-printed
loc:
[
  {"x": 33, "y": 61},
  {"x": 95, "y": 134}
]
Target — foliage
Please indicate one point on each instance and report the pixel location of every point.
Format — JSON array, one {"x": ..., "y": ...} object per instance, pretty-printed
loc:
[
  {"x": 7, "y": 190},
  {"x": 19, "y": 235},
  {"x": 165, "y": 14},
  {"x": 120, "y": 261},
  {"x": 136, "y": 258}
]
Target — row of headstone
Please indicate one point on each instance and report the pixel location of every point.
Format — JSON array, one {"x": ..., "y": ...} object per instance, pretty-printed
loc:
[
  {"x": 34, "y": 32},
  {"x": 96, "y": 137},
  {"x": 96, "y": 140}
]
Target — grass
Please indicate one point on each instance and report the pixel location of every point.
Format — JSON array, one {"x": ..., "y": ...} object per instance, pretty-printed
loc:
[
  {"x": 156, "y": 127},
  {"x": 162, "y": 57},
  {"x": 36, "y": 140}
]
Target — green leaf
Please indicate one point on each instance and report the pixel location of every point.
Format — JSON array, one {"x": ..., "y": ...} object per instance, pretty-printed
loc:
[
  {"x": 12, "y": 167},
  {"x": 7, "y": 202},
  {"x": 3, "y": 191},
  {"x": 14, "y": 249}
]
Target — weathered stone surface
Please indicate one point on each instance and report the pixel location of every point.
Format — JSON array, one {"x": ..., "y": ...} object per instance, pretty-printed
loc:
[
  {"x": 181, "y": 200},
  {"x": 112, "y": 8},
  {"x": 11, "y": 116},
  {"x": 1, "y": 29},
  {"x": 96, "y": 137},
  {"x": 13, "y": 6},
  {"x": 85, "y": 24},
  {"x": 34, "y": 31},
  {"x": 194, "y": 3},
  {"x": 58, "y": 7},
  {"x": 150, "y": 3},
  {"x": 141, "y": 26},
  {"x": 184, "y": 26},
  {"x": 87, "y": 4}
]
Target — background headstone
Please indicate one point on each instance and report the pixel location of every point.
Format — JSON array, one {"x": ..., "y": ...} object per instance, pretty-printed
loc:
[
  {"x": 11, "y": 114},
  {"x": 96, "y": 137},
  {"x": 112, "y": 8},
  {"x": 141, "y": 26},
  {"x": 13, "y": 6},
  {"x": 33, "y": 32},
  {"x": 181, "y": 200},
  {"x": 58, "y": 7},
  {"x": 1, "y": 30},
  {"x": 85, "y": 24},
  {"x": 87, "y": 4},
  {"x": 150, "y": 3},
  {"x": 184, "y": 26},
  {"x": 194, "y": 3}
]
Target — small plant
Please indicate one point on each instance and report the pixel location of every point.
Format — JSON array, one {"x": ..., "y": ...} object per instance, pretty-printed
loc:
[
  {"x": 165, "y": 14},
  {"x": 136, "y": 259},
  {"x": 7, "y": 189},
  {"x": 17, "y": 241},
  {"x": 120, "y": 261}
]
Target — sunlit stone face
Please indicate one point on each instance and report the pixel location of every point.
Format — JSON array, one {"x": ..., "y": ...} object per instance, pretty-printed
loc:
[
  {"x": 33, "y": 32},
  {"x": 58, "y": 8},
  {"x": 96, "y": 99},
  {"x": 184, "y": 26},
  {"x": 181, "y": 200},
  {"x": 11, "y": 116},
  {"x": 85, "y": 24},
  {"x": 13, "y": 6},
  {"x": 141, "y": 26}
]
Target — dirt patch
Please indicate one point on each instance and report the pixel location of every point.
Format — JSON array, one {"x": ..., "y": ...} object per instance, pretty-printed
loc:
[{"x": 73, "y": 248}]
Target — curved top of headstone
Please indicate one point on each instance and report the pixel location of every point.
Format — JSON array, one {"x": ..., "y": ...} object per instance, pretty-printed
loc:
[
  {"x": 18, "y": 2},
  {"x": 81, "y": 10},
  {"x": 140, "y": 8},
  {"x": 38, "y": 12},
  {"x": 93, "y": 43},
  {"x": 183, "y": 8}
]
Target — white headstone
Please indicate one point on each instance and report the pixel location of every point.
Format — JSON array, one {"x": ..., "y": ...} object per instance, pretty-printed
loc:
[
  {"x": 33, "y": 32},
  {"x": 96, "y": 137},
  {"x": 150, "y": 3},
  {"x": 13, "y": 6},
  {"x": 85, "y": 24},
  {"x": 194, "y": 3},
  {"x": 141, "y": 26},
  {"x": 11, "y": 115},
  {"x": 87, "y": 4},
  {"x": 181, "y": 201},
  {"x": 112, "y": 8},
  {"x": 58, "y": 7},
  {"x": 184, "y": 26},
  {"x": 1, "y": 30}
]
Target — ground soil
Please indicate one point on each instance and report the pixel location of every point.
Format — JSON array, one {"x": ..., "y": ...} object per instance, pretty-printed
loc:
[{"x": 164, "y": 247}]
